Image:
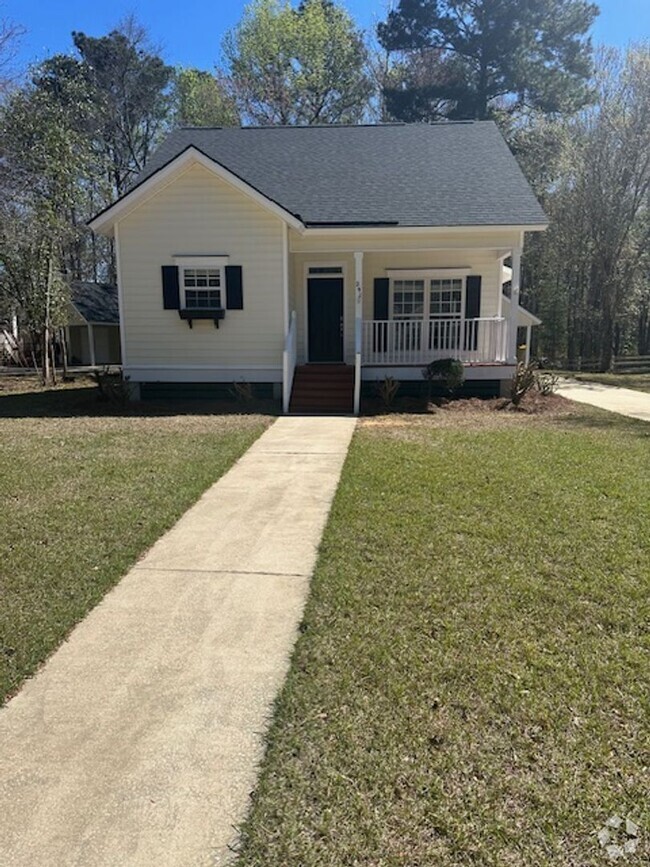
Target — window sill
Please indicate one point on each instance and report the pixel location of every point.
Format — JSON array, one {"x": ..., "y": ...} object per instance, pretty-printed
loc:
[{"x": 192, "y": 313}]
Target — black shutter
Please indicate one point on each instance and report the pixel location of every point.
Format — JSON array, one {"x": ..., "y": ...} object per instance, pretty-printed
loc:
[
  {"x": 234, "y": 288},
  {"x": 171, "y": 291},
  {"x": 472, "y": 311},
  {"x": 381, "y": 313},
  {"x": 381, "y": 298},
  {"x": 473, "y": 297}
]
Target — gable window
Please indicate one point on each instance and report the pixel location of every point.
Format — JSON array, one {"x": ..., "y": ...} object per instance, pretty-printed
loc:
[{"x": 202, "y": 288}]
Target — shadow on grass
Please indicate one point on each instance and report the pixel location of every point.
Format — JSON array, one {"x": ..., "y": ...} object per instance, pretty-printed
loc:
[
  {"x": 84, "y": 401},
  {"x": 597, "y": 419}
]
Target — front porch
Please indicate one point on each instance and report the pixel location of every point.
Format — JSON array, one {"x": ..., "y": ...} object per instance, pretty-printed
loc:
[{"x": 389, "y": 312}]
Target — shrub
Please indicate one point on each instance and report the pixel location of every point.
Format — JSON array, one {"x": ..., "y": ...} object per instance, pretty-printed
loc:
[
  {"x": 522, "y": 382},
  {"x": 387, "y": 389},
  {"x": 242, "y": 391},
  {"x": 546, "y": 382},
  {"x": 112, "y": 388},
  {"x": 448, "y": 372}
]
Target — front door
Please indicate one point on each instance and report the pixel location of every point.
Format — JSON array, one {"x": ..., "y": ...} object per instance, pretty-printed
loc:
[{"x": 325, "y": 318}]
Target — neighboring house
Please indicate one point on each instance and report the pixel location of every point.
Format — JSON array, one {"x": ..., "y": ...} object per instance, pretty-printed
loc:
[
  {"x": 10, "y": 348},
  {"x": 313, "y": 261},
  {"x": 93, "y": 330}
]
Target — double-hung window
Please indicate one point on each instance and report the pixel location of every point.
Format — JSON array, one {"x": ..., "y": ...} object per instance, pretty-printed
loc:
[
  {"x": 408, "y": 308},
  {"x": 445, "y": 312},
  {"x": 429, "y": 306},
  {"x": 202, "y": 287},
  {"x": 202, "y": 281}
]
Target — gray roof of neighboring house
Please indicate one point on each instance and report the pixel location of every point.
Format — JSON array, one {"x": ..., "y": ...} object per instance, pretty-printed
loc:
[
  {"x": 96, "y": 302},
  {"x": 443, "y": 174}
]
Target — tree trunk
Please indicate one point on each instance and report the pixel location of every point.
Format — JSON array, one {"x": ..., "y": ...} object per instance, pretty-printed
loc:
[
  {"x": 64, "y": 353},
  {"x": 47, "y": 336},
  {"x": 45, "y": 360}
]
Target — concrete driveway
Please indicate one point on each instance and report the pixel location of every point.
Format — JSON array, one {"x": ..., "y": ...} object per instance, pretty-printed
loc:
[
  {"x": 138, "y": 742},
  {"x": 626, "y": 401}
]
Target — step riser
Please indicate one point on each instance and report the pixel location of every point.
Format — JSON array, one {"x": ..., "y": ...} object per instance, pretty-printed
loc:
[{"x": 326, "y": 389}]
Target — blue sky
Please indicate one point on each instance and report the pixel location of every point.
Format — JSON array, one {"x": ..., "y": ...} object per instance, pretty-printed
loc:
[{"x": 190, "y": 32}]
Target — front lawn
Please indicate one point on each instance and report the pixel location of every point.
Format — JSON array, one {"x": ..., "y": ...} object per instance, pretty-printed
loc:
[
  {"x": 85, "y": 491},
  {"x": 470, "y": 686},
  {"x": 637, "y": 381}
]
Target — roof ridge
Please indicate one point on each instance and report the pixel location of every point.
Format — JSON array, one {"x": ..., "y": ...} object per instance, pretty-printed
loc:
[{"x": 304, "y": 126}]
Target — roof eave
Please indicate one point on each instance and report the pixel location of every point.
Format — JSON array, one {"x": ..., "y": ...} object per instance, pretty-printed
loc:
[{"x": 365, "y": 229}]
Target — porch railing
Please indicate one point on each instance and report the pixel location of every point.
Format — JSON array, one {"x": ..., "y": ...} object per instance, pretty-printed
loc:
[
  {"x": 418, "y": 341},
  {"x": 289, "y": 362}
]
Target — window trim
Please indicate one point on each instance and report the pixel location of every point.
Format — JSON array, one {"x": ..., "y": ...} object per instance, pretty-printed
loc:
[{"x": 214, "y": 263}]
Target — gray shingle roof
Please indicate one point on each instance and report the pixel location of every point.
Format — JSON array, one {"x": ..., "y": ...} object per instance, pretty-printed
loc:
[
  {"x": 445, "y": 174},
  {"x": 96, "y": 302}
]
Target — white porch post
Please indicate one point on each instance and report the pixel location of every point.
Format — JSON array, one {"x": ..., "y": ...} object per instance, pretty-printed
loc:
[
  {"x": 529, "y": 334},
  {"x": 358, "y": 320},
  {"x": 514, "y": 305},
  {"x": 91, "y": 344}
]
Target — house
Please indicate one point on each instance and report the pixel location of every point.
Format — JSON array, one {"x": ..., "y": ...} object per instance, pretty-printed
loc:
[
  {"x": 313, "y": 261},
  {"x": 93, "y": 329}
]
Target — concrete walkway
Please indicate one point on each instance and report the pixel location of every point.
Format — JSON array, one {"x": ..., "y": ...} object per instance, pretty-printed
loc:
[
  {"x": 625, "y": 401},
  {"x": 137, "y": 743}
]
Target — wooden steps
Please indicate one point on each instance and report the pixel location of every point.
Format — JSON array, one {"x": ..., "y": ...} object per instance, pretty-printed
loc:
[{"x": 323, "y": 389}]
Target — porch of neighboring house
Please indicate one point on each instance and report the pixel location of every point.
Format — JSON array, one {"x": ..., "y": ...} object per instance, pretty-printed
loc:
[
  {"x": 93, "y": 329},
  {"x": 356, "y": 317}
]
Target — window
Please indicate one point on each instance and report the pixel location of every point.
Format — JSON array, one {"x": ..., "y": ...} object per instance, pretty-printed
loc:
[
  {"x": 445, "y": 311},
  {"x": 408, "y": 299},
  {"x": 324, "y": 270},
  {"x": 446, "y": 299},
  {"x": 202, "y": 288}
]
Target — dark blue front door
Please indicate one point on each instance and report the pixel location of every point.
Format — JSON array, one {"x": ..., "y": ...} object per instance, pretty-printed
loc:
[{"x": 325, "y": 318}]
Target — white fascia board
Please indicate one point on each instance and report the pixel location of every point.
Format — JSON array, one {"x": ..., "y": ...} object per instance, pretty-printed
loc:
[
  {"x": 103, "y": 223},
  {"x": 362, "y": 231}
]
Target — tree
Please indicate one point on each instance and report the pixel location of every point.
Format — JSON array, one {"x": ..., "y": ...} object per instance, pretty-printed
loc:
[
  {"x": 476, "y": 55},
  {"x": 200, "y": 99},
  {"x": 298, "y": 66},
  {"x": 10, "y": 34},
  {"x": 127, "y": 109},
  {"x": 130, "y": 83},
  {"x": 590, "y": 269},
  {"x": 43, "y": 155}
]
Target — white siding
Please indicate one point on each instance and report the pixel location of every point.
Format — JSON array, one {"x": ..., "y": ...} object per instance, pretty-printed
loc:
[
  {"x": 488, "y": 239},
  {"x": 198, "y": 213}
]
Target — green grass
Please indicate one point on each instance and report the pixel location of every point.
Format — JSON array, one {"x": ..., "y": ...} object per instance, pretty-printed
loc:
[
  {"x": 637, "y": 381},
  {"x": 84, "y": 493},
  {"x": 471, "y": 681}
]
